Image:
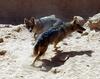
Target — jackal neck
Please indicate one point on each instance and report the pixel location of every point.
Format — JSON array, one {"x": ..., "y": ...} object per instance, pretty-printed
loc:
[
  {"x": 63, "y": 30},
  {"x": 68, "y": 28},
  {"x": 39, "y": 22}
]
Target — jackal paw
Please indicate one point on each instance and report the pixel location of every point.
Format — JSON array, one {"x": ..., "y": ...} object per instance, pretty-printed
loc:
[{"x": 56, "y": 48}]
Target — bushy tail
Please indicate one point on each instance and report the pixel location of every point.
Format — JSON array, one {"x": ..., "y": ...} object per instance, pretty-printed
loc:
[{"x": 35, "y": 50}]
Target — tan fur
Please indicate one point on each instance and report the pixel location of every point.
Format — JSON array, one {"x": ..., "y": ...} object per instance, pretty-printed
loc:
[
  {"x": 54, "y": 36},
  {"x": 41, "y": 25}
]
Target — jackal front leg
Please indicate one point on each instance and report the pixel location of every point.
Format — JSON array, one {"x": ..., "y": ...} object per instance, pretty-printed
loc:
[{"x": 55, "y": 46}]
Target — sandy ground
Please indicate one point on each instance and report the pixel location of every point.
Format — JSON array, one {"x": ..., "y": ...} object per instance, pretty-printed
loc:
[{"x": 82, "y": 54}]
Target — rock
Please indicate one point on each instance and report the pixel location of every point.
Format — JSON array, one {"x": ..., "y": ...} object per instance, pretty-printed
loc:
[
  {"x": 18, "y": 29},
  {"x": 88, "y": 65},
  {"x": 3, "y": 52},
  {"x": 7, "y": 37},
  {"x": 1, "y": 40},
  {"x": 84, "y": 34},
  {"x": 55, "y": 71},
  {"x": 7, "y": 26},
  {"x": 94, "y": 22}
]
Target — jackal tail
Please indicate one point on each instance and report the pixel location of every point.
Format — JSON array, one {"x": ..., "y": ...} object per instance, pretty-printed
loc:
[{"x": 35, "y": 50}]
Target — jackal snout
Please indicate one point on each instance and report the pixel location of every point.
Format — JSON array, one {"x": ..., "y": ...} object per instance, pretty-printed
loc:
[{"x": 78, "y": 27}]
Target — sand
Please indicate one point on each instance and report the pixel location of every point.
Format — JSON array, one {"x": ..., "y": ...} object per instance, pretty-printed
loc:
[{"x": 82, "y": 55}]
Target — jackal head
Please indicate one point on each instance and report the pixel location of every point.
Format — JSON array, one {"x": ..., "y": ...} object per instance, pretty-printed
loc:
[
  {"x": 29, "y": 24},
  {"x": 80, "y": 20},
  {"x": 77, "y": 27}
]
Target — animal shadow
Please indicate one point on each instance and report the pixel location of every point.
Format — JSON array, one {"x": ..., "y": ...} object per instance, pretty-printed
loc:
[{"x": 60, "y": 58}]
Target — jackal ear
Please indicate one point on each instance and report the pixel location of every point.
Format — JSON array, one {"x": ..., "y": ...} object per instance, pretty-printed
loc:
[
  {"x": 32, "y": 20},
  {"x": 75, "y": 18},
  {"x": 90, "y": 21},
  {"x": 75, "y": 21},
  {"x": 26, "y": 20}
]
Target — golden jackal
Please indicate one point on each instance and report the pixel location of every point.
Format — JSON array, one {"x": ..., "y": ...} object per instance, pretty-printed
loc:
[
  {"x": 41, "y": 25},
  {"x": 54, "y": 36}
]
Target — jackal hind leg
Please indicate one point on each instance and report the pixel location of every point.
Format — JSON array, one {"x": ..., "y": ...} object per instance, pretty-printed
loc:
[
  {"x": 55, "y": 46},
  {"x": 41, "y": 52}
]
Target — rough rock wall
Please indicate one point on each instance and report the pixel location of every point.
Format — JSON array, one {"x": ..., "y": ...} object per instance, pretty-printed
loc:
[{"x": 13, "y": 11}]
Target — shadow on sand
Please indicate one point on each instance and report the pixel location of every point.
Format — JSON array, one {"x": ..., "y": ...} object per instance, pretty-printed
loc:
[{"x": 60, "y": 58}]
